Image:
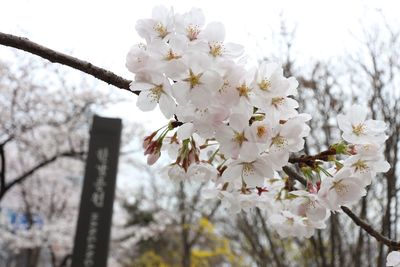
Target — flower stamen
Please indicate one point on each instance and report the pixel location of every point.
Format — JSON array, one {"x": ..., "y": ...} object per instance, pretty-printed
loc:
[
  {"x": 192, "y": 31},
  {"x": 172, "y": 55},
  {"x": 161, "y": 30},
  {"x": 340, "y": 188},
  {"x": 193, "y": 79},
  {"x": 156, "y": 92},
  {"x": 279, "y": 141},
  {"x": 264, "y": 85},
  {"x": 358, "y": 129},
  {"x": 360, "y": 165},
  {"x": 244, "y": 90},
  {"x": 216, "y": 49},
  {"x": 261, "y": 131},
  {"x": 277, "y": 101},
  {"x": 239, "y": 138}
]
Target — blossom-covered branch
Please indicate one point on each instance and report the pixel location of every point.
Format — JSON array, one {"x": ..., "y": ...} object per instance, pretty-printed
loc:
[
  {"x": 58, "y": 57},
  {"x": 239, "y": 125}
]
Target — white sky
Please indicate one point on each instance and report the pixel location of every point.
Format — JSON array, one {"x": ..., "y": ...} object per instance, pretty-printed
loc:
[{"x": 103, "y": 31}]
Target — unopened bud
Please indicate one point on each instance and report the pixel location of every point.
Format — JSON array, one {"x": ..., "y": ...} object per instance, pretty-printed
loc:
[{"x": 152, "y": 158}]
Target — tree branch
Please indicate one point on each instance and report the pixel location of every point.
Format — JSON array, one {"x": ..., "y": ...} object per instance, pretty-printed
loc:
[
  {"x": 293, "y": 174},
  {"x": 268, "y": 236},
  {"x": 57, "y": 57},
  {"x": 363, "y": 224},
  {"x": 3, "y": 169},
  {"x": 371, "y": 231},
  {"x": 208, "y": 217},
  {"x": 310, "y": 160},
  {"x": 44, "y": 163}
]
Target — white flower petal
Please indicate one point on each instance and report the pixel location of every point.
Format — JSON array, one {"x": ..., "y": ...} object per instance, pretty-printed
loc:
[
  {"x": 214, "y": 32},
  {"x": 146, "y": 101},
  {"x": 167, "y": 105},
  {"x": 185, "y": 131}
]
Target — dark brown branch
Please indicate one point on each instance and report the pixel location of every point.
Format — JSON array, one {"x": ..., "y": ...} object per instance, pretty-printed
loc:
[
  {"x": 371, "y": 231},
  {"x": 3, "y": 169},
  {"x": 57, "y": 57},
  {"x": 40, "y": 165},
  {"x": 293, "y": 174},
  {"x": 310, "y": 160},
  {"x": 363, "y": 224}
]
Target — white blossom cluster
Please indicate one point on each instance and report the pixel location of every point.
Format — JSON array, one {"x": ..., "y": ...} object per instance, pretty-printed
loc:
[{"x": 236, "y": 126}]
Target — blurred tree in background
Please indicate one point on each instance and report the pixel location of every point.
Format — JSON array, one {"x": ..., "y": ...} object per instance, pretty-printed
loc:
[{"x": 44, "y": 131}]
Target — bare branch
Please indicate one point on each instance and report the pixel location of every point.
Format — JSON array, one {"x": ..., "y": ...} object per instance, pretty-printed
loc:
[
  {"x": 3, "y": 169},
  {"x": 40, "y": 165},
  {"x": 293, "y": 174},
  {"x": 208, "y": 217},
  {"x": 58, "y": 57},
  {"x": 268, "y": 236},
  {"x": 310, "y": 160},
  {"x": 371, "y": 231}
]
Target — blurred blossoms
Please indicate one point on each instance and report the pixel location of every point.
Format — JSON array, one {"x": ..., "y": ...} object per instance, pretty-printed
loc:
[
  {"x": 236, "y": 126},
  {"x": 393, "y": 259}
]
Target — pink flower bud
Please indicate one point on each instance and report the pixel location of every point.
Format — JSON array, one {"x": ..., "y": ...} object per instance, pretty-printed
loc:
[
  {"x": 147, "y": 140},
  {"x": 152, "y": 158},
  {"x": 152, "y": 146},
  {"x": 312, "y": 188}
]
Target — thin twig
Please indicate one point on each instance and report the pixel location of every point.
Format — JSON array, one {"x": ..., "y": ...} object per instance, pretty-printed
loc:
[
  {"x": 271, "y": 243},
  {"x": 293, "y": 174},
  {"x": 3, "y": 169},
  {"x": 37, "y": 167},
  {"x": 310, "y": 160},
  {"x": 58, "y": 57}
]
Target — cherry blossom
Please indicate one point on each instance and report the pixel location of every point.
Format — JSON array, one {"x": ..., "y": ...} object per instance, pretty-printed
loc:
[
  {"x": 251, "y": 173},
  {"x": 160, "y": 26},
  {"x": 308, "y": 204},
  {"x": 235, "y": 139},
  {"x": 288, "y": 224},
  {"x": 366, "y": 166},
  {"x": 214, "y": 34},
  {"x": 341, "y": 190},
  {"x": 358, "y": 130},
  {"x": 234, "y": 126},
  {"x": 154, "y": 89},
  {"x": 190, "y": 24}
]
